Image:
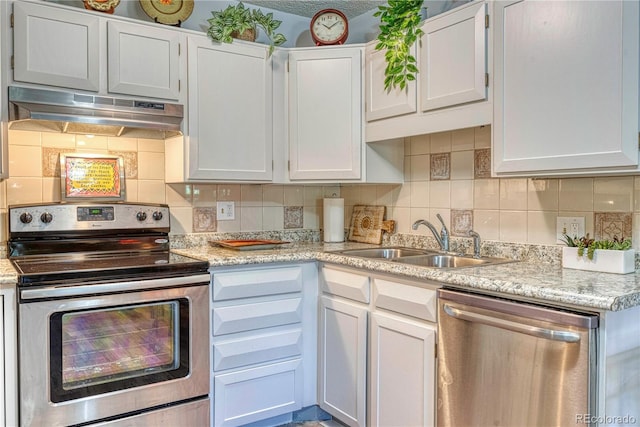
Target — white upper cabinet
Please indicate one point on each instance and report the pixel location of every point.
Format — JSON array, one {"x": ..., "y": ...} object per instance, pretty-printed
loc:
[
  {"x": 382, "y": 103},
  {"x": 453, "y": 59},
  {"x": 325, "y": 114},
  {"x": 453, "y": 85},
  {"x": 566, "y": 87},
  {"x": 78, "y": 50},
  {"x": 229, "y": 120},
  {"x": 143, "y": 60},
  {"x": 56, "y": 47}
]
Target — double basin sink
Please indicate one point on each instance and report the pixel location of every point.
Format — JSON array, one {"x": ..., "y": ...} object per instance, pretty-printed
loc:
[{"x": 422, "y": 257}]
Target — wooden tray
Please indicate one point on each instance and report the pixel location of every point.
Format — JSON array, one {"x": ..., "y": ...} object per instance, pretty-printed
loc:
[{"x": 248, "y": 245}]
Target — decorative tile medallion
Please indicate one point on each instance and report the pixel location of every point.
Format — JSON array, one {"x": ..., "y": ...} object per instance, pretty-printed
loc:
[
  {"x": 293, "y": 217},
  {"x": 461, "y": 222},
  {"x": 440, "y": 166},
  {"x": 130, "y": 163},
  {"x": 51, "y": 161},
  {"x": 204, "y": 220},
  {"x": 482, "y": 163},
  {"x": 613, "y": 224}
]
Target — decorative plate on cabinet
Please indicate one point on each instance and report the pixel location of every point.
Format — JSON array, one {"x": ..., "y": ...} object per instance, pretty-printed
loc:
[
  {"x": 107, "y": 6},
  {"x": 170, "y": 12}
]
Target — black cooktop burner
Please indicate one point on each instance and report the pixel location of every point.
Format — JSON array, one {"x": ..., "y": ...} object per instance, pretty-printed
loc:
[{"x": 70, "y": 268}]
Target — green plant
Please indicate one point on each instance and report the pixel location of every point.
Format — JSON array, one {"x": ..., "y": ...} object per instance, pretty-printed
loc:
[
  {"x": 226, "y": 24},
  {"x": 399, "y": 29},
  {"x": 617, "y": 244}
]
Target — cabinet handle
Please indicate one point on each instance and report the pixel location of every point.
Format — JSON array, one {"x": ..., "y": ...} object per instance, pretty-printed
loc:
[{"x": 544, "y": 333}]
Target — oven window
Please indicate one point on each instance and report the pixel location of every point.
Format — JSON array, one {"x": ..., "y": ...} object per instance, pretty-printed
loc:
[{"x": 108, "y": 349}]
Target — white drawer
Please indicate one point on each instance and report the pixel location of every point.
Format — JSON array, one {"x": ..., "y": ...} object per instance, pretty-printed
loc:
[
  {"x": 347, "y": 285},
  {"x": 235, "y": 352},
  {"x": 405, "y": 299},
  {"x": 254, "y": 394},
  {"x": 257, "y": 315},
  {"x": 256, "y": 282}
]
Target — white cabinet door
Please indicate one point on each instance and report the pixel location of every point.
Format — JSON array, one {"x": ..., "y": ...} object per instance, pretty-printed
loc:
[
  {"x": 325, "y": 114},
  {"x": 4, "y": 77},
  {"x": 143, "y": 60},
  {"x": 258, "y": 393},
  {"x": 230, "y": 125},
  {"x": 382, "y": 103},
  {"x": 453, "y": 61},
  {"x": 402, "y": 372},
  {"x": 343, "y": 360},
  {"x": 56, "y": 47},
  {"x": 2, "y": 352},
  {"x": 566, "y": 86}
]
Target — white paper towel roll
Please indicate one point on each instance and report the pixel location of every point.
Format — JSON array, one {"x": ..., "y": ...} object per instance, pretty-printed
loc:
[{"x": 333, "y": 219}]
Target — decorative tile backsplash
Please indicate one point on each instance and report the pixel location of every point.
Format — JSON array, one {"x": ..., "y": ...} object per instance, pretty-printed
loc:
[
  {"x": 461, "y": 222},
  {"x": 293, "y": 217},
  {"x": 610, "y": 225},
  {"x": 440, "y": 166},
  {"x": 447, "y": 173}
]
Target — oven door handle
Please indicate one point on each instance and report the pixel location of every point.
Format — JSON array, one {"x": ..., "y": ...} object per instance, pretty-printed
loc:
[{"x": 105, "y": 288}]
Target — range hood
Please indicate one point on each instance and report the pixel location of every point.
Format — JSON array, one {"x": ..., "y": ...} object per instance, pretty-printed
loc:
[{"x": 68, "y": 112}]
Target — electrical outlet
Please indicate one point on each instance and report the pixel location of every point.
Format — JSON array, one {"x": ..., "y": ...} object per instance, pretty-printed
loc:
[
  {"x": 225, "y": 211},
  {"x": 573, "y": 226}
]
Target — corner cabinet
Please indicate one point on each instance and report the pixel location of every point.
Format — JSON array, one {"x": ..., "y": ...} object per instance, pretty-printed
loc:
[
  {"x": 109, "y": 56},
  {"x": 377, "y": 354},
  {"x": 453, "y": 57},
  {"x": 566, "y": 88},
  {"x": 381, "y": 103},
  {"x": 229, "y": 114},
  {"x": 325, "y": 114},
  {"x": 452, "y": 88}
]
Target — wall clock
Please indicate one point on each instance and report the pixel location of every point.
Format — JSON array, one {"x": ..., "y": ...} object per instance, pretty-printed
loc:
[{"x": 329, "y": 27}]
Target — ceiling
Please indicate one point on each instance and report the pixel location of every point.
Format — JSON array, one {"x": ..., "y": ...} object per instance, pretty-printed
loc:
[{"x": 308, "y": 8}]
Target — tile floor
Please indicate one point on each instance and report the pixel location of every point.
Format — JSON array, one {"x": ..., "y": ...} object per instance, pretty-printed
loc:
[{"x": 328, "y": 423}]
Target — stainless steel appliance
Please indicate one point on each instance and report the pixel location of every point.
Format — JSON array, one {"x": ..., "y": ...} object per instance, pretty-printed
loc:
[
  {"x": 112, "y": 327},
  {"x": 505, "y": 363},
  {"x": 69, "y": 112}
]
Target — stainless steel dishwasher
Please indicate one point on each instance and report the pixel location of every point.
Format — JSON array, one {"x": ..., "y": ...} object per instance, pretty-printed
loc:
[{"x": 506, "y": 363}]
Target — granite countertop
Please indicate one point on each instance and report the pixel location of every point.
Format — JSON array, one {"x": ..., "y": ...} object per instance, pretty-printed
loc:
[
  {"x": 546, "y": 283},
  {"x": 543, "y": 282}
]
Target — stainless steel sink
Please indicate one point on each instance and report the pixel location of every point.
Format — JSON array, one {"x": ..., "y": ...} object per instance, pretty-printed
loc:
[
  {"x": 385, "y": 253},
  {"x": 449, "y": 261}
]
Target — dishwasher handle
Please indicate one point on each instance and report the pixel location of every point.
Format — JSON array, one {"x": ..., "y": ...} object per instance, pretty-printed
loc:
[{"x": 549, "y": 334}]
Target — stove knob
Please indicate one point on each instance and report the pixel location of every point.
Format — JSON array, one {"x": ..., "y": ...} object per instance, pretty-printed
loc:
[
  {"x": 142, "y": 216},
  {"x": 157, "y": 215},
  {"x": 26, "y": 218},
  {"x": 46, "y": 217}
]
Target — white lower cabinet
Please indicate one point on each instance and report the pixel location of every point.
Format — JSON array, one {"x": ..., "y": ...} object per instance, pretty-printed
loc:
[
  {"x": 401, "y": 371},
  {"x": 8, "y": 358},
  {"x": 261, "y": 367},
  {"x": 387, "y": 325},
  {"x": 342, "y": 367}
]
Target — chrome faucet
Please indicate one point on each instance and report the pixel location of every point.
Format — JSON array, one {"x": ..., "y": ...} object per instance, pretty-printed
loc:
[
  {"x": 442, "y": 237},
  {"x": 476, "y": 243}
]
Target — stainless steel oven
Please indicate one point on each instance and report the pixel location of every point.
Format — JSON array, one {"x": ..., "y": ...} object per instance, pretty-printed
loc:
[{"x": 112, "y": 327}]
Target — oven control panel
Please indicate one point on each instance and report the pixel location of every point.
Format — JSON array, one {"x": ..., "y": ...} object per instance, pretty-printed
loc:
[{"x": 87, "y": 216}]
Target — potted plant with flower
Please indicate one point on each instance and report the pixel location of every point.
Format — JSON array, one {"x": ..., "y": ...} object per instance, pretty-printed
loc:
[
  {"x": 608, "y": 256},
  {"x": 237, "y": 21}
]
